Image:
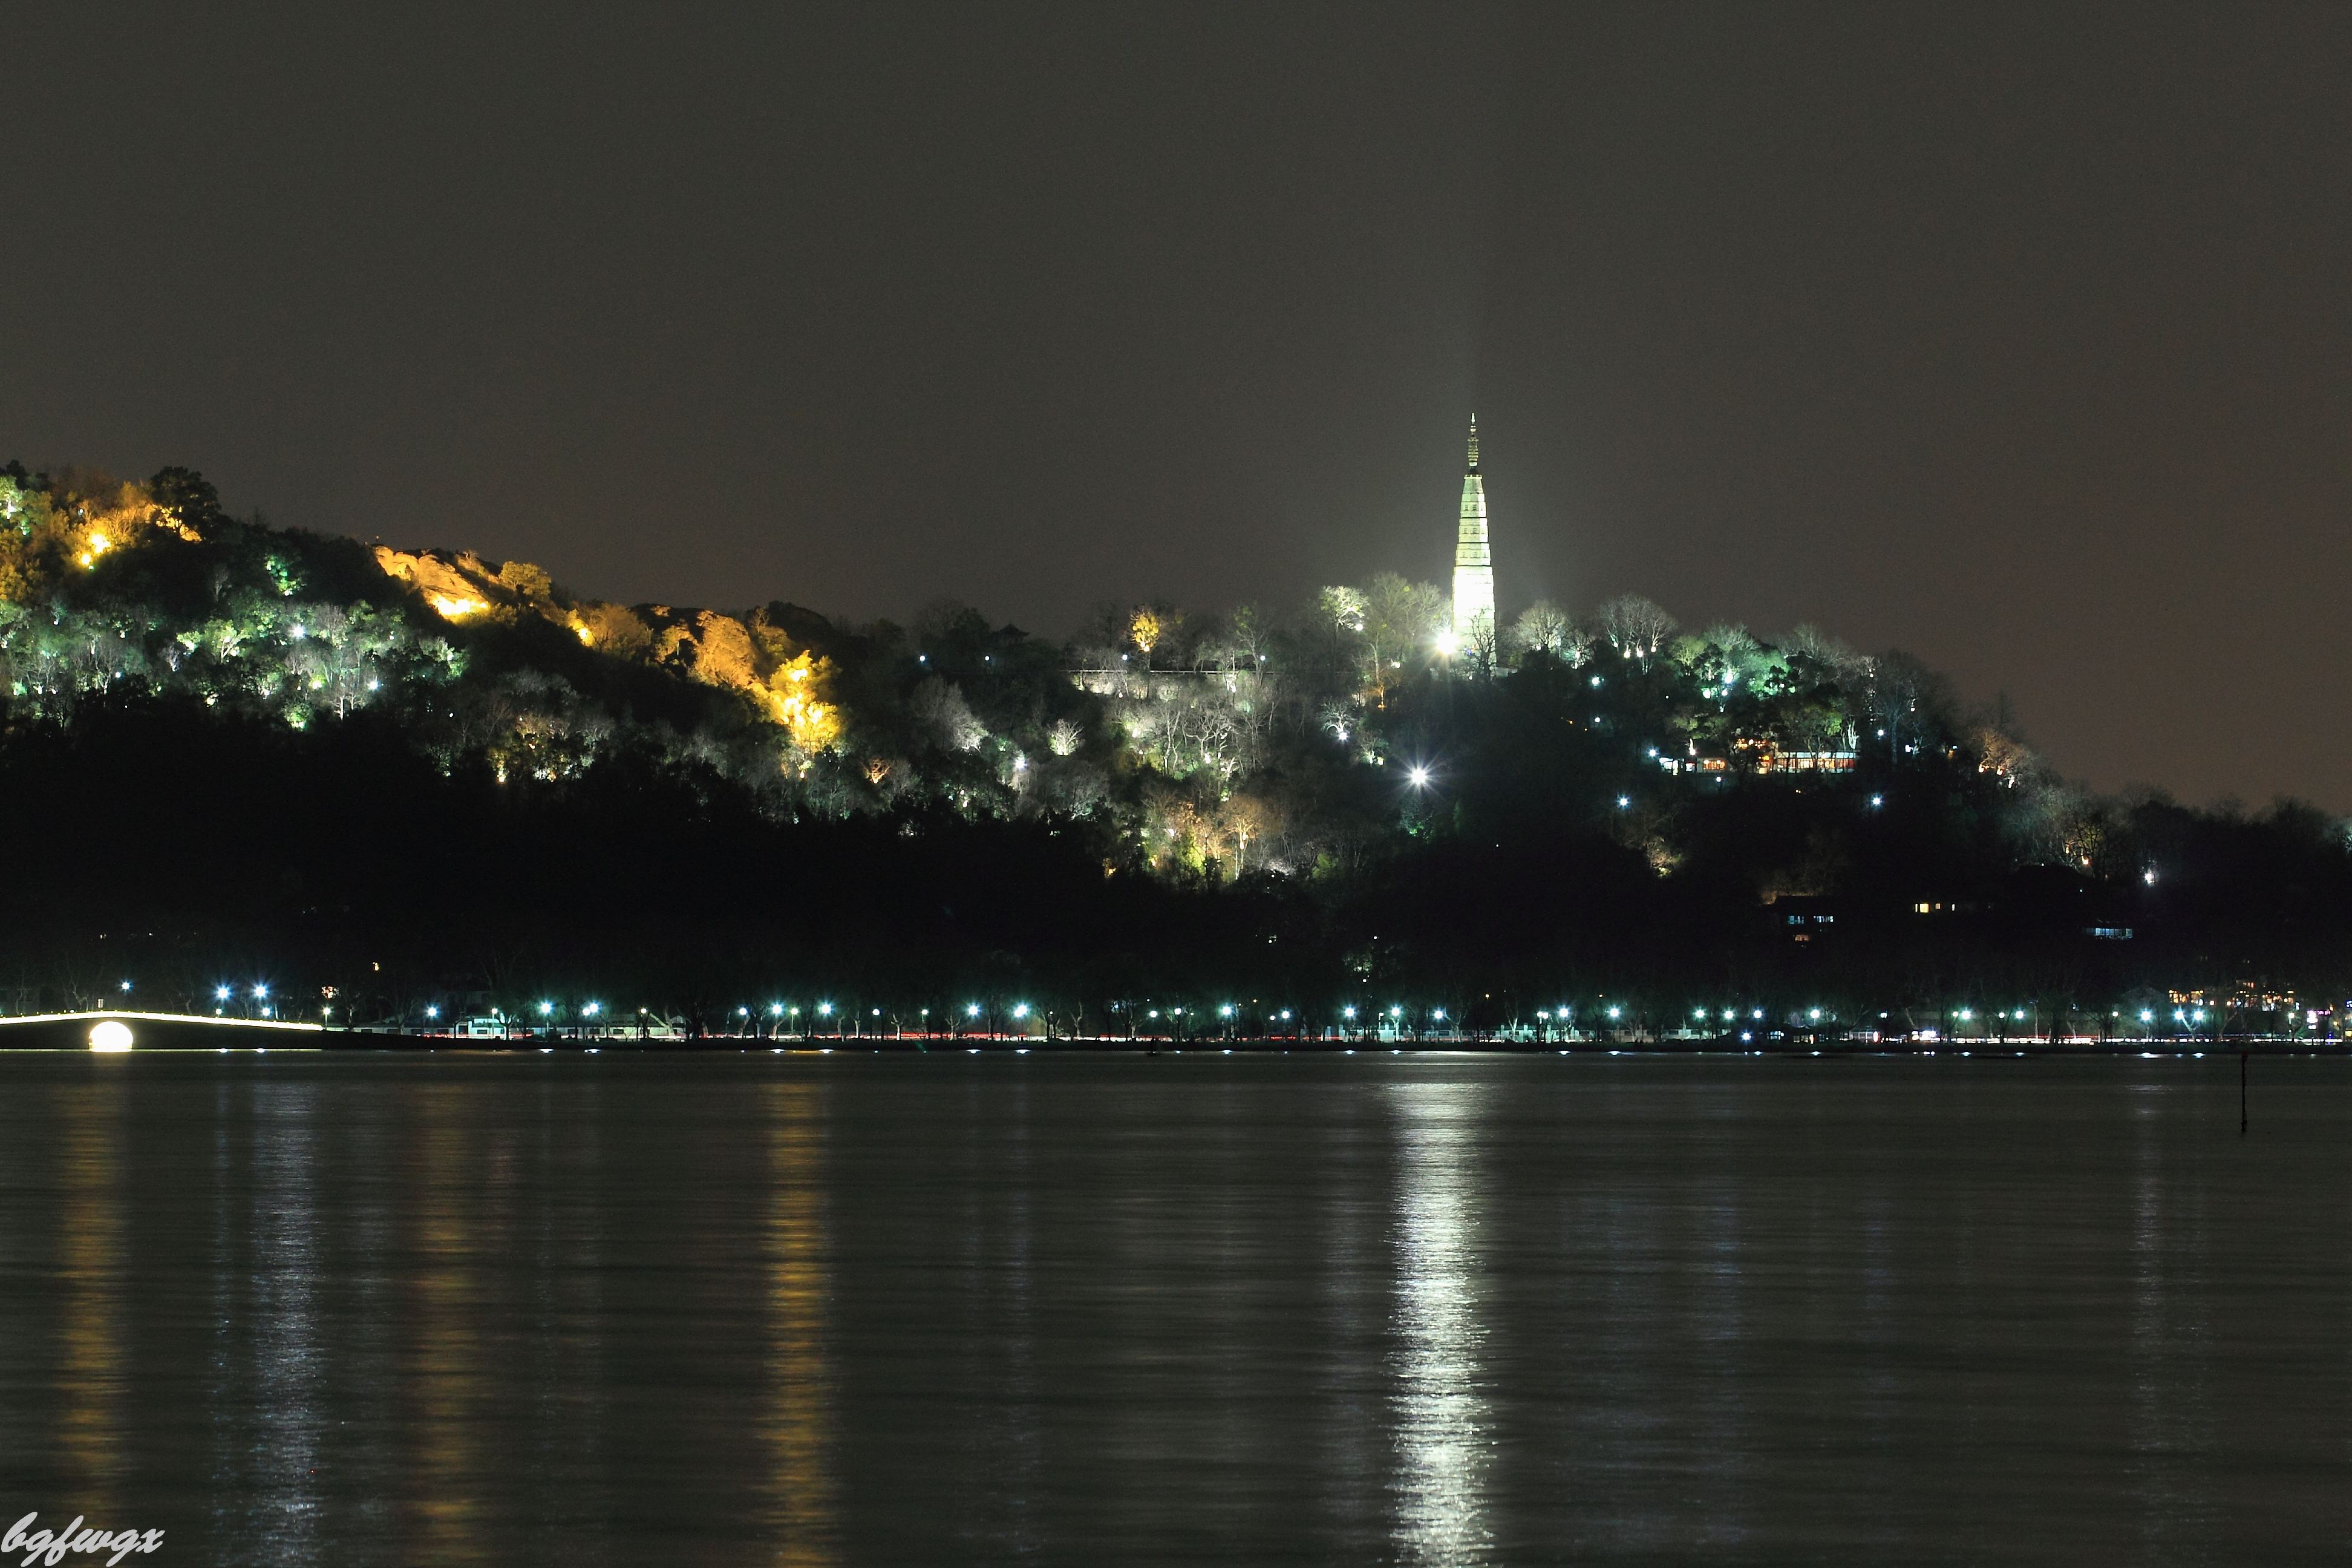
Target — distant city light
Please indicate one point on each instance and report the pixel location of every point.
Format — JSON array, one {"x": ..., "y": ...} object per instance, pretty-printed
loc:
[
  {"x": 824, "y": 1009},
  {"x": 593, "y": 1008},
  {"x": 220, "y": 992},
  {"x": 259, "y": 992},
  {"x": 972, "y": 1011},
  {"x": 1021, "y": 1009}
]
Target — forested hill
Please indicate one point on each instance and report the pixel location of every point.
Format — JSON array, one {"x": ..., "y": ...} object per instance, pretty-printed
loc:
[{"x": 234, "y": 751}]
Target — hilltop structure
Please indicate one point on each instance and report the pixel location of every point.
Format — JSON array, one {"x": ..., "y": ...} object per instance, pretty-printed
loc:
[{"x": 1474, "y": 562}]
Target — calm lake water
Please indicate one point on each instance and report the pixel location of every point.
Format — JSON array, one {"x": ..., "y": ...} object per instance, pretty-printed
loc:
[{"x": 735, "y": 1309}]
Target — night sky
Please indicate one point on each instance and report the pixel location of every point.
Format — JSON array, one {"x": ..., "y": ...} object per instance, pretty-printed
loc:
[{"x": 2018, "y": 337}]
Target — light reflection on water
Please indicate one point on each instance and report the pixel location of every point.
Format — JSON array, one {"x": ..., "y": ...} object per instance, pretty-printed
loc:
[
  {"x": 93, "y": 1257},
  {"x": 1416, "y": 1311},
  {"x": 441, "y": 1327},
  {"x": 799, "y": 1408},
  {"x": 1440, "y": 1423}
]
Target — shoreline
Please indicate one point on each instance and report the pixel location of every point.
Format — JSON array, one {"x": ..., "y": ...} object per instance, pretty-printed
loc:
[{"x": 70, "y": 1032}]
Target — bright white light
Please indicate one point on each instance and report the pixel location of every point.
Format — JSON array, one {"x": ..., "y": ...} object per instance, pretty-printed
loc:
[
  {"x": 1613, "y": 1011},
  {"x": 1021, "y": 1010},
  {"x": 1419, "y": 777},
  {"x": 220, "y": 992},
  {"x": 594, "y": 1008},
  {"x": 1226, "y": 1012},
  {"x": 972, "y": 1011},
  {"x": 2148, "y": 877},
  {"x": 259, "y": 992},
  {"x": 1814, "y": 1012},
  {"x": 1624, "y": 801},
  {"x": 824, "y": 1009},
  {"x": 1447, "y": 643},
  {"x": 545, "y": 1008},
  {"x": 433, "y": 1012},
  {"x": 108, "y": 1034}
]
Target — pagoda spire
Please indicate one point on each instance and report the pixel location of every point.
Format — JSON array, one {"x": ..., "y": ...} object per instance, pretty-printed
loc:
[{"x": 1473, "y": 561}]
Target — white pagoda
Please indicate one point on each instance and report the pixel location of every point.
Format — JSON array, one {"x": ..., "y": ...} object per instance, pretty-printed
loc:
[{"x": 1473, "y": 564}]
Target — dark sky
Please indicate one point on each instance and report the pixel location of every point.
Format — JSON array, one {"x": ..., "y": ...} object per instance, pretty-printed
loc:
[{"x": 2018, "y": 337}]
